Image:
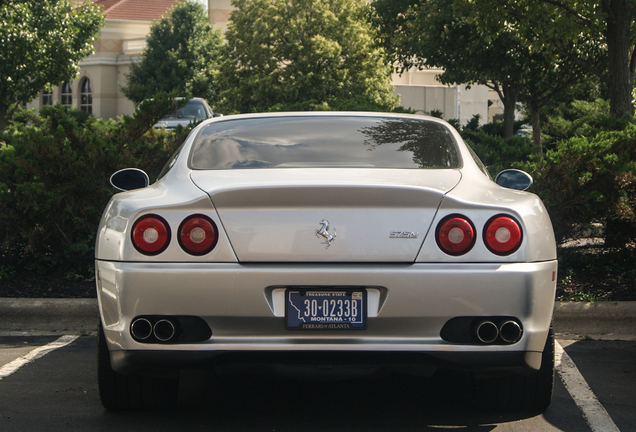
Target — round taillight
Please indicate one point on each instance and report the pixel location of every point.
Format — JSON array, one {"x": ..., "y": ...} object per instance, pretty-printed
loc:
[
  {"x": 198, "y": 235},
  {"x": 502, "y": 235},
  {"x": 455, "y": 235},
  {"x": 151, "y": 234}
]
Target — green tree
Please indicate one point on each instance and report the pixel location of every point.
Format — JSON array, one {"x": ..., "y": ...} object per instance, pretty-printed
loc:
[
  {"x": 444, "y": 34},
  {"x": 545, "y": 76},
  {"x": 304, "y": 54},
  {"x": 182, "y": 54},
  {"x": 421, "y": 34},
  {"x": 41, "y": 44},
  {"x": 599, "y": 36}
]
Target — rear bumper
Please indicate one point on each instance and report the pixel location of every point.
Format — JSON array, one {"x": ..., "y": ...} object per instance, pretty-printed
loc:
[
  {"x": 408, "y": 306},
  {"x": 132, "y": 361}
]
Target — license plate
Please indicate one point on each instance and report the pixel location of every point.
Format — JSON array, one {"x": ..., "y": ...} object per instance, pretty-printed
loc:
[{"x": 326, "y": 310}]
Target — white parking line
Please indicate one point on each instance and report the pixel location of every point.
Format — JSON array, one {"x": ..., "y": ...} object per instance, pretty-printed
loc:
[
  {"x": 34, "y": 354},
  {"x": 594, "y": 413}
]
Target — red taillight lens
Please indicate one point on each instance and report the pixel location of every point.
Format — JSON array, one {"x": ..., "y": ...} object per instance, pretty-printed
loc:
[
  {"x": 151, "y": 235},
  {"x": 198, "y": 235},
  {"x": 502, "y": 235},
  {"x": 455, "y": 235}
]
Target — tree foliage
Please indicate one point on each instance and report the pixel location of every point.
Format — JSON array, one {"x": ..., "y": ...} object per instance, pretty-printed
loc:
[
  {"x": 182, "y": 54},
  {"x": 434, "y": 33},
  {"x": 305, "y": 54},
  {"x": 599, "y": 36},
  {"x": 54, "y": 186},
  {"x": 41, "y": 44},
  {"x": 445, "y": 34}
]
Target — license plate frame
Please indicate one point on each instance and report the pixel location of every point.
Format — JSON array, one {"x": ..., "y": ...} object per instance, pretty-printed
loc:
[{"x": 305, "y": 309}]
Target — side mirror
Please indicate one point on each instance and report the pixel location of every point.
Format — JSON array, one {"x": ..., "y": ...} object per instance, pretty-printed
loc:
[
  {"x": 514, "y": 179},
  {"x": 129, "y": 179}
]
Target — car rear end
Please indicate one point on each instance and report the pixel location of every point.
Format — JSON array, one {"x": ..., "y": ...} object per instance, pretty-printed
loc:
[{"x": 323, "y": 257}]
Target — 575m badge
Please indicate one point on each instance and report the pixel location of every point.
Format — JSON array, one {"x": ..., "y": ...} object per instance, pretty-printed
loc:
[{"x": 404, "y": 234}]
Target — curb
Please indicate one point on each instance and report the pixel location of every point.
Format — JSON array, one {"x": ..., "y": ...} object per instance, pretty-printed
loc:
[
  {"x": 605, "y": 320},
  {"x": 59, "y": 316}
]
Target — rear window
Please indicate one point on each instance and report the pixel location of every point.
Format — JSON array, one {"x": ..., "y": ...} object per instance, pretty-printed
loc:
[
  {"x": 192, "y": 110},
  {"x": 325, "y": 142}
]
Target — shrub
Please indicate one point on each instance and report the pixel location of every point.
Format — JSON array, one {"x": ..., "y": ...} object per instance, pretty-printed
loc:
[
  {"x": 589, "y": 179},
  {"x": 584, "y": 119},
  {"x": 54, "y": 182},
  {"x": 497, "y": 128},
  {"x": 497, "y": 153}
]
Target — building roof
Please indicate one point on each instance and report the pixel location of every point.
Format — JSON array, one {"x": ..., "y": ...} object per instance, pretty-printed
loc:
[{"x": 135, "y": 10}]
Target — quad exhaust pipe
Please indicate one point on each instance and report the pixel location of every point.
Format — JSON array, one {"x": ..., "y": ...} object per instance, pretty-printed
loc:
[
  {"x": 487, "y": 332},
  {"x": 483, "y": 330},
  {"x": 508, "y": 331},
  {"x": 163, "y": 330},
  {"x": 141, "y": 329}
]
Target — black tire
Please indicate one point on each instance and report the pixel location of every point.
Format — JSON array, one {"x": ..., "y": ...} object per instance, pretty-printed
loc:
[
  {"x": 131, "y": 391},
  {"x": 529, "y": 392}
]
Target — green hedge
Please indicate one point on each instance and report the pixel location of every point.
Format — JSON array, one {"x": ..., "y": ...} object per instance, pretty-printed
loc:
[
  {"x": 55, "y": 166},
  {"x": 498, "y": 153},
  {"x": 54, "y": 182},
  {"x": 587, "y": 176},
  {"x": 590, "y": 179}
]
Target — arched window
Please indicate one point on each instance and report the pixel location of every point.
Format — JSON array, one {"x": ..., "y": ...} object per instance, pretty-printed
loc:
[
  {"x": 86, "y": 96},
  {"x": 47, "y": 97},
  {"x": 66, "y": 95}
]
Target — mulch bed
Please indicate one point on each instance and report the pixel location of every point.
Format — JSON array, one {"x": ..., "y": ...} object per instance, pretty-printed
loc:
[
  {"x": 586, "y": 289},
  {"x": 46, "y": 287},
  {"x": 597, "y": 273}
]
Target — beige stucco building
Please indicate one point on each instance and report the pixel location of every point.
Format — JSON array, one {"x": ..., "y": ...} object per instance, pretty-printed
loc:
[{"x": 97, "y": 89}]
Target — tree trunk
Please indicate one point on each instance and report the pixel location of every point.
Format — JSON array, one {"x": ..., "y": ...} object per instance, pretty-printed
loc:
[
  {"x": 536, "y": 128},
  {"x": 510, "y": 103},
  {"x": 3, "y": 116},
  {"x": 619, "y": 51}
]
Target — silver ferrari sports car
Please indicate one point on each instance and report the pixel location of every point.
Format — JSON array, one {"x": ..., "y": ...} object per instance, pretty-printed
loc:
[{"x": 346, "y": 239}]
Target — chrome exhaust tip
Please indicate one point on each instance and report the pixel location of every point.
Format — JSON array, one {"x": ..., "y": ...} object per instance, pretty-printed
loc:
[
  {"x": 164, "y": 330},
  {"x": 141, "y": 329},
  {"x": 510, "y": 331},
  {"x": 487, "y": 332}
]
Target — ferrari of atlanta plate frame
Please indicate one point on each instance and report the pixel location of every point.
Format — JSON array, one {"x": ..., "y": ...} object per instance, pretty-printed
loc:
[{"x": 307, "y": 309}]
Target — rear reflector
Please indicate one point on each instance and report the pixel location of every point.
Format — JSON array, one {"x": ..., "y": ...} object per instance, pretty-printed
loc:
[
  {"x": 151, "y": 234},
  {"x": 455, "y": 235},
  {"x": 502, "y": 235}
]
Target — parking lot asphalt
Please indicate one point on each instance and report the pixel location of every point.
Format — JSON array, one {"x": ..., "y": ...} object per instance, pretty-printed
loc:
[{"x": 572, "y": 320}]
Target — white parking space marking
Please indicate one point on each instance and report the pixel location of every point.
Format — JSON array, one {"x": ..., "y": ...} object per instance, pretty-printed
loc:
[
  {"x": 34, "y": 354},
  {"x": 594, "y": 413}
]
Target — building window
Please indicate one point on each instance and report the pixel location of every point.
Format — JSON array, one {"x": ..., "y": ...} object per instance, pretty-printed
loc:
[
  {"x": 86, "y": 96},
  {"x": 47, "y": 97},
  {"x": 66, "y": 95}
]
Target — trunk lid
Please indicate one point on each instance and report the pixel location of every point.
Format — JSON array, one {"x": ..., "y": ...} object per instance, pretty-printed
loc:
[{"x": 326, "y": 215}]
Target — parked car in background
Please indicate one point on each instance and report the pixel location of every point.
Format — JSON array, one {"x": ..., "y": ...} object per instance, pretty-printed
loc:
[
  {"x": 196, "y": 110},
  {"x": 524, "y": 131},
  {"x": 323, "y": 242}
]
